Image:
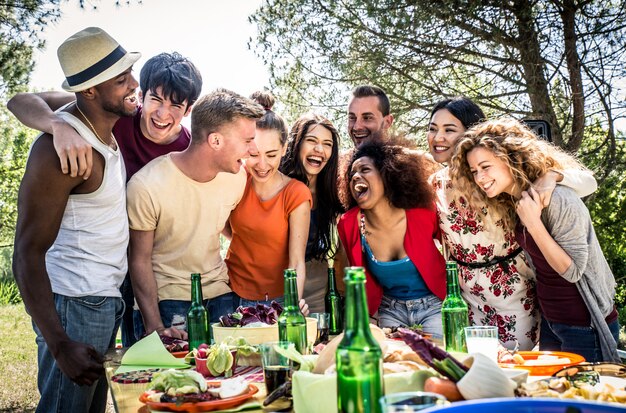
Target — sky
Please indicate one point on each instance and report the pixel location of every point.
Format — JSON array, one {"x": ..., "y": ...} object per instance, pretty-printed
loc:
[{"x": 213, "y": 34}]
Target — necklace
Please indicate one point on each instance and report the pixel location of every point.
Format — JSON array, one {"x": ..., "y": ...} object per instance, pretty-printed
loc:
[
  {"x": 113, "y": 143},
  {"x": 365, "y": 233}
]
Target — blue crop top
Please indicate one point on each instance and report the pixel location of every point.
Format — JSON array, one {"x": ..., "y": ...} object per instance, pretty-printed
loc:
[{"x": 400, "y": 279}]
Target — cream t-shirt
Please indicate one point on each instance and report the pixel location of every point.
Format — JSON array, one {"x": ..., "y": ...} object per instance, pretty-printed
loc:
[{"x": 187, "y": 218}]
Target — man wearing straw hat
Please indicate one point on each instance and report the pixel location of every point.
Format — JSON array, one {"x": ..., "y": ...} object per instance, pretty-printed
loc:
[{"x": 72, "y": 233}]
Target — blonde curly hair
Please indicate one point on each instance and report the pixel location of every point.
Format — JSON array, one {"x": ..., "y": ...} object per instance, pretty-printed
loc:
[{"x": 526, "y": 156}]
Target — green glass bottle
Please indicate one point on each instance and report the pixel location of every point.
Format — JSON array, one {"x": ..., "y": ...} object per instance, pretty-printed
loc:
[
  {"x": 359, "y": 357},
  {"x": 332, "y": 304},
  {"x": 291, "y": 322},
  {"x": 454, "y": 314},
  {"x": 197, "y": 316}
]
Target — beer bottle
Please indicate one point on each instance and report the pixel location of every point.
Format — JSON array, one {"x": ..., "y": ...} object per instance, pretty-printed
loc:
[
  {"x": 359, "y": 357},
  {"x": 197, "y": 316},
  {"x": 291, "y": 322},
  {"x": 454, "y": 315},
  {"x": 332, "y": 304}
]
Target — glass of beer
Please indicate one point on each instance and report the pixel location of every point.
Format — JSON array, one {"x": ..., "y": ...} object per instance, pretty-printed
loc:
[{"x": 277, "y": 369}]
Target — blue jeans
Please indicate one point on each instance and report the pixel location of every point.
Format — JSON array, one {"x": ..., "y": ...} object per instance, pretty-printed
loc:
[
  {"x": 425, "y": 311},
  {"x": 127, "y": 326},
  {"x": 252, "y": 303},
  {"x": 573, "y": 339},
  {"x": 92, "y": 320},
  {"x": 177, "y": 309}
]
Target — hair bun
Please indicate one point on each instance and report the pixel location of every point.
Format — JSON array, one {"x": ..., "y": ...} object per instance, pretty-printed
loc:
[{"x": 264, "y": 98}]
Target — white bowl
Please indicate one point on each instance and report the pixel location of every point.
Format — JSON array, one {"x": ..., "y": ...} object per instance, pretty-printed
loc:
[{"x": 259, "y": 335}]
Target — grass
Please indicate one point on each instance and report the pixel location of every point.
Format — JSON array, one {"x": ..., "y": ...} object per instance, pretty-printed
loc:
[{"x": 18, "y": 360}]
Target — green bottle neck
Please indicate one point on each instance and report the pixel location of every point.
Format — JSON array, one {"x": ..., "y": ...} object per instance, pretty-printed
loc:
[
  {"x": 452, "y": 281},
  {"x": 291, "y": 291},
  {"x": 356, "y": 314},
  {"x": 196, "y": 289},
  {"x": 332, "y": 282}
]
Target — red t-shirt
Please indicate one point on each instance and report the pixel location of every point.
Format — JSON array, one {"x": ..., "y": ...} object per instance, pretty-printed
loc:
[{"x": 137, "y": 150}]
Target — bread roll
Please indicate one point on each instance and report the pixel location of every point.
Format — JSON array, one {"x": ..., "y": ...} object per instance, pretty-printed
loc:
[{"x": 327, "y": 356}]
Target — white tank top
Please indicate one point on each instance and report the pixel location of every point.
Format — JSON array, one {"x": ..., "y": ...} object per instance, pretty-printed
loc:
[{"x": 88, "y": 256}]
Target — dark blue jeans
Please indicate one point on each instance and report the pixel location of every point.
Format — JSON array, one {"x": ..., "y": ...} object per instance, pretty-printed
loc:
[
  {"x": 581, "y": 340},
  {"x": 92, "y": 320},
  {"x": 127, "y": 326},
  {"x": 174, "y": 310}
]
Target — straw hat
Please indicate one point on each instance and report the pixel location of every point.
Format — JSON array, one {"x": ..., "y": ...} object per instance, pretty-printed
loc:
[{"x": 91, "y": 57}]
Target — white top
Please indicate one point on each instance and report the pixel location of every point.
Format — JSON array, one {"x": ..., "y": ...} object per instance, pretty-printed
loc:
[{"x": 88, "y": 256}]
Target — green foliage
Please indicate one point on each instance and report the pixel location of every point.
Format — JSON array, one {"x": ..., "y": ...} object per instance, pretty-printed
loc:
[
  {"x": 530, "y": 59},
  {"x": 15, "y": 140},
  {"x": 9, "y": 293},
  {"x": 607, "y": 205},
  {"x": 21, "y": 26}
]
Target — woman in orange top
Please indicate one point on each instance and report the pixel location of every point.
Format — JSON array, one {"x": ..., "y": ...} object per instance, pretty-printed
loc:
[{"x": 269, "y": 227}]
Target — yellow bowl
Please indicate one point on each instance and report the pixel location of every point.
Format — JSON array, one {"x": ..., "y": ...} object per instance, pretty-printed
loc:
[{"x": 258, "y": 335}]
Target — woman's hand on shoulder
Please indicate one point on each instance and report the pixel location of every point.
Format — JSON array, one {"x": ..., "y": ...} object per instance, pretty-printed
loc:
[{"x": 529, "y": 209}]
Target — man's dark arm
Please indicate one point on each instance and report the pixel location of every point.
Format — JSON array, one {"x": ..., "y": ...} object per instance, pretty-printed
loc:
[{"x": 42, "y": 199}]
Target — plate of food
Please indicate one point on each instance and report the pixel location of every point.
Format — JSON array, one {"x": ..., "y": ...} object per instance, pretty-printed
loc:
[
  {"x": 187, "y": 391},
  {"x": 600, "y": 382},
  {"x": 541, "y": 363}
]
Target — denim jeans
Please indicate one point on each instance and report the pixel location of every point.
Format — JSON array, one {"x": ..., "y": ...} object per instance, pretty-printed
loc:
[
  {"x": 92, "y": 320},
  {"x": 425, "y": 311},
  {"x": 173, "y": 310},
  {"x": 581, "y": 340},
  {"x": 127, "y": 326},
  {"x": 252, "y": 303}
]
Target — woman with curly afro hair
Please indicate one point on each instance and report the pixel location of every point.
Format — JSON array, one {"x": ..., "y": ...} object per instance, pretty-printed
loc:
[
  {"x": 497, "y": 161},
  {"x": 390, "y": 230}
]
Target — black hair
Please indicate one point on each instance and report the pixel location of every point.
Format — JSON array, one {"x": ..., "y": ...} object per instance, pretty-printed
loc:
[
  {"x": 404, "y": 173},
  {"x": 364, "y": 91},
  {"x": 179, "y": 79},
  {"x": 462, "y": 108},
  {"x": 328, "y": 207}
]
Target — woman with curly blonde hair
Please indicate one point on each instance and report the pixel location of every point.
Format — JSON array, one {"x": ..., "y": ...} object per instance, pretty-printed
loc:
[
  {"x": 496, "y": 161},
  {"x": 494, "y": 277}
]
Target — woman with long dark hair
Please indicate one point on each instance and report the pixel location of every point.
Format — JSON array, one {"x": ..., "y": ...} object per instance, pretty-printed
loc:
[{"x": 312, "y": 157}]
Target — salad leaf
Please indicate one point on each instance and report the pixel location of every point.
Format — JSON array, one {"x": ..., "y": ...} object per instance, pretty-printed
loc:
[
  {"x": 220, "y": 359},
  {"x": 178, "y": 381},
  {"x": 241, "y": 345},
  {"x": 292, "y": 354}
]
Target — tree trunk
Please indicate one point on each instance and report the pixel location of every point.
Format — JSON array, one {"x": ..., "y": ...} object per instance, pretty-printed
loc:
[
  {"x": 533, "y": 67},
  {"x": 568, "y": 15}
]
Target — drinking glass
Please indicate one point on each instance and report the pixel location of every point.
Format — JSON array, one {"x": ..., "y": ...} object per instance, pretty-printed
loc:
[
  {"x": 276, "y": 368},
  {"x": 482, "y": 339},
  {"x": 323, "y": 324},
  {"x": 411, "y": 401}
]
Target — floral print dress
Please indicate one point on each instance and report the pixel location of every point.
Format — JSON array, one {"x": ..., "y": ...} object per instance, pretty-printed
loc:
[{"x": 501, "y": 294}]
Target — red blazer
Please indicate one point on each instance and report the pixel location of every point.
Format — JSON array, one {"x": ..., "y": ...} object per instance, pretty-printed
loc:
[{"x": 421, "y": 227}]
